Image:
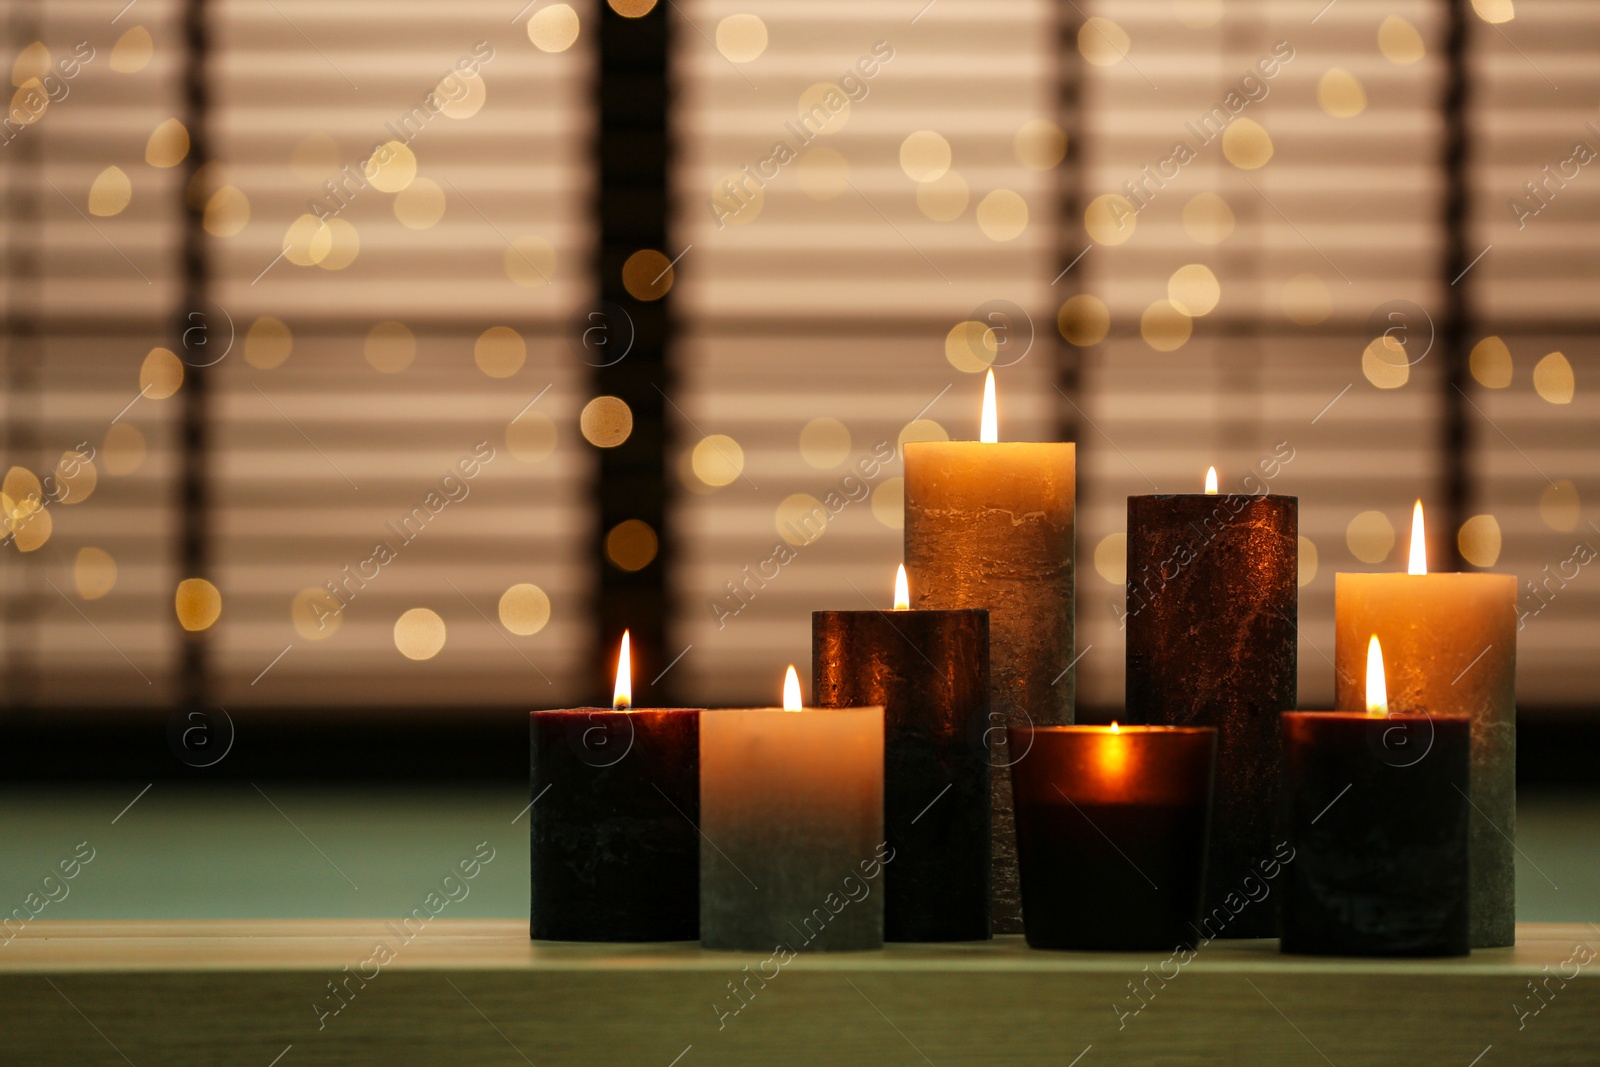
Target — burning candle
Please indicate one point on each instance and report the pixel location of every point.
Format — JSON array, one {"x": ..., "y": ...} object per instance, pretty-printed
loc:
[
  {"x": 1377, "y": 817},
  {"x": 616, "y": 794},
  {"x": 791, "y": 812},
  {"x": 1111, "y": 833},
  {"x": 929, "y": 670},
  {"x": 990, "y": 525},
  {"x": 1452, "y": 641},
  {"x": 1212, "y": 601}
]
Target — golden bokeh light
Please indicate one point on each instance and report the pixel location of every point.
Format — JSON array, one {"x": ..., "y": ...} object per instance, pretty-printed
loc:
[
  {"x": 420, "y": 205},
  {"x": 1002, "y": 215},
  {"x": 889, "y": 503},
  {"x": 531, "y": 437},
  {"x": 315, "y": 158},
  {"x": 824, "y": 443},
  {"x": 391, "y": 167},
  {"x": 823, "y": 173},
  {"x": 1370, "y": 537},
  {"x": 524, "y": 609},
  {"x": 390, "y": 347},
  {"x": 1552, "y": 379},
  {"x": 499, "y": 352},
  {"x": 1084, "y": 320},
  {"x": 924, "y": 156},
  {"x": 606, "y": 421},
  {"x": 110, "y": 193},
  {"x": 632, "y": 9},
  {"x": 945, "y": 198},
  {"x": 1247, "y": 144},
  {"x": 717, "y": 460},
  {"x": 800, "y": 519},
  {"x": 920, "y": 430},
  {"x": 1385, "y": 364},
  {"x": 227, "y": 211},
  {"x": 315, "y": 613},
  {"x": 648, "y": 275},
  {"x": 168, "y": 144},
  {"x": 737, "y": 200},
  {"x": 824, "y": 108},
  {"x": 161, "y": 374},
  {"x": 1102, "y": 42},
  {"x": 198, "y": 604},
  {"x": 1039, "y": 144},
  {"x": 22, "y": 488},
  {"x": 1559, "y": 506},
  {"x": 1340, "y": 94},
  {"x": 462, "y": 94},
  {"x": 742, "y": 38},
  {"x": 1111, "y": 558},
  {"x": 32, "y": 63},
  {"x": 529, "y": 261},
  {"x": 1491, "y": 363},
  {"x": 631, "y": 545},
  {"x": 133, "y": 51},
  {"x": 1306, "y": 572},
  {"x": 344, "y": 244},
  {"x": 1207, "y": 218},
  {"x": 1306, "y": 300},
  {"x": 1479, "y": 540},
  {"x": 31, "y": 526},
  {"x": 307, "y": 241},
  {"x": 76, "y": 477},
  {"x": 94, "y": 573},
  {"x": 1494, "y": 12},
  {"x": 554, "y": 28},
  {"x": 1194, "y": 290},
  {"x": 1110, "y": 219},
  {"x": 1164, "y": 327},
  {"x": 1399, "y": 41},
  {"x": 28, "y": 104},
  {"x": 419, "y": 634},
  {"x": 268, "y": 343},
  {"x": 970, "y": 346},
  {"x": 123, "y": 449}
]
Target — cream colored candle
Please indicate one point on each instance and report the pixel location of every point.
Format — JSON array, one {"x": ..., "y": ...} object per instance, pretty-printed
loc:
[
  {"x": 1450, "y": 644},
  {"x": 990, "y": 525},
  {"x": 791, "y": 820}
]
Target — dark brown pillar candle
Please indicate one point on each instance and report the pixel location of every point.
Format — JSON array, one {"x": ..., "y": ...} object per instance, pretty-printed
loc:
[
  {"x": 615, "y": 849},
  {"x": 1212, "y": 595},
  {"x": 1111, "y": 833},
  {"x": 929, "y": 670},
  {"x": 1377, "y": 815}
]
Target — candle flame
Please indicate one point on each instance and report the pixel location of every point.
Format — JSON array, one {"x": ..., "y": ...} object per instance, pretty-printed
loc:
[
  {"x": 1419, "y": 543},
  {"x": 791, "y": 690},
  {"x": 622, "y": 697},
  {"x": 1211, "y": 481},
  {"x": 989, "y": 431},
  {"x": 1114, "y": 728},
  {"x": 902, "y": 591},
  {"x": 1377, "y": 685}
]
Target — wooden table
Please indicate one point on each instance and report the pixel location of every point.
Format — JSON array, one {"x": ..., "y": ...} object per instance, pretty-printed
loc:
[{"x": 478, "y": 993}]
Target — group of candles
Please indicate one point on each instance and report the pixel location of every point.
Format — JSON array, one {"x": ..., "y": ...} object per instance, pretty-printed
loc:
[{"x": 940, "y": 793}]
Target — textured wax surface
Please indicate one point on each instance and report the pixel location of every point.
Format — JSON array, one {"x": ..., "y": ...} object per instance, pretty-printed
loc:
[
  {"x": 614, "y": 851},
  {"x": 991, "y": 526},
  {"x": 791, "y": 808},
  {"x": 929, "y": 670},
  {"x": 1377, "y": 815},
  {"x": 1212, "y": 601},
  {"x": 1449, "y": 647}
]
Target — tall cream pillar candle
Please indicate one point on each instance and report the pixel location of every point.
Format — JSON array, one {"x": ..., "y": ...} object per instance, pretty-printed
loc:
[
  {"x": 1450, "y": 645},
  {"x": 791, "y": 820},
  {"x": 990, "y": 525}
]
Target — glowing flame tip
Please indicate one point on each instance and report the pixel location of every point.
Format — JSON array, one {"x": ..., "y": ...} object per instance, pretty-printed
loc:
[
  {"x": 989, "y": 430},
  {"x": 1377, "y": 684},
  {"x": 1419, "y": 543},
  {"x": 622, "y": 697},
  {"x": 1114, "y": 727},
  {"x": 902, "y": 590},
  {"x": 1211, "y": 481},
  {"x": 791, "y": 690}
]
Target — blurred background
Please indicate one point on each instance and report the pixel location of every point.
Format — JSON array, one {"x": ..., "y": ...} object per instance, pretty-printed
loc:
[{"x": 367, "y": 368}]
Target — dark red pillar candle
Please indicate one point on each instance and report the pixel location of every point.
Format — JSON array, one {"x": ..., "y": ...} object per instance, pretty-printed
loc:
[
  {"x": 929, "y": 671},
  {"x": 1111, "y": 833},
  {"x": 616, "y": 801},
  {"x": 1212, "y": 601},
  {"x": 1377, "y": 814}
]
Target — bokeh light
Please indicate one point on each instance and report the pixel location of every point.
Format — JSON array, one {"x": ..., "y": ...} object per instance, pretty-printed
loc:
[
  {"x": 606, "y": 421},
  {"x": 1084, "y": 320},
  {"x": 499, "y": 352},
  {"x": 419, "y": 634},
  {"x": 631, "y": 544},
  {"x": 524, "y": 609},
  {"x": 1479, "y": 540},
  {"x": 1370, "y": 537},
  {"x": 198, "y": 604},
  {"x": 717, "y": 460},
  {"x": 824, "y": 443}
]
